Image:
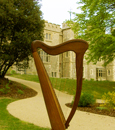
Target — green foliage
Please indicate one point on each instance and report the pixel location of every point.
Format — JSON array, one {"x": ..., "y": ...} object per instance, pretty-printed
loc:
[
  {"x": 109, "y": 99},
  {"x": 20, "y": 91},
  {"x": 91, "y": 79},
  {"x": 96, "y": 24},
  {"x": 21, "y": 23},
  {"x": 6, "y": 88},
  {"x": 101, "y": 108},
  {"x": 13, "y": 72},
  {"x": 86, "y": 100}
]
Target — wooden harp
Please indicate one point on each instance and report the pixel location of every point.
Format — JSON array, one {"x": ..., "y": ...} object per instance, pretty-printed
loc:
[{"x": 56, "y": 116}]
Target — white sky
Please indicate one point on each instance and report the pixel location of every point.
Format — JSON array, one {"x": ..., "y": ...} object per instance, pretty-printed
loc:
[{"x": 56, "y": 11}]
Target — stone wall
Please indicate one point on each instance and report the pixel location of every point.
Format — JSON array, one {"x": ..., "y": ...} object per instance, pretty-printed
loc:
[
  {"x": 66, "y": 58},
  {"x": 63, "y": 65}
]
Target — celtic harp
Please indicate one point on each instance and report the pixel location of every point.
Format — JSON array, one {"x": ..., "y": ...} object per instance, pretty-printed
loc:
[{"x": 56, "y": 116}]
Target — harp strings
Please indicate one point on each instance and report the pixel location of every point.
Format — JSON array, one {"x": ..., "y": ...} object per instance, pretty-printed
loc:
[{"x": 59, "y": 83}]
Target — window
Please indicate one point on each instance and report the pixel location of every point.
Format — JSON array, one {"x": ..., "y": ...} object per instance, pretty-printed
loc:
[
  {"x": 91, "y": 72},
  {"x": 108, "y": 72},
  {"x": 48, "y": 36},
  {"x": 44, "y": 56},
  {"x": 54, "y": 74},
  {"x": 100, "y": 72}
]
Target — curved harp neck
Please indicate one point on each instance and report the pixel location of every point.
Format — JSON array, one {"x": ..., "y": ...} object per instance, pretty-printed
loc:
[{"x": 55, "y": 113}]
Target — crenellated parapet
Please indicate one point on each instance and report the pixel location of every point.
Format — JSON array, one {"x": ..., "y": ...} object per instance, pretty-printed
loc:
[
  {"x": 52, "y": 27},
  {"x": 64, "y": 26}
]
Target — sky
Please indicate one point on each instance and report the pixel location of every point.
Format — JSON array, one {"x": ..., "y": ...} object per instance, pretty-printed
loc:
[{"x": 56, "y": 11}]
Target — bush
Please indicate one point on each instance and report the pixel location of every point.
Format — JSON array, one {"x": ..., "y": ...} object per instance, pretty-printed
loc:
[
  {"x": 86, "y": 100},
  {"x": 20, "y": 91},
  {"x": 13, "y": 72},
  {"x": 109, "y": 99},
  {"x": 92, "y": 79}
]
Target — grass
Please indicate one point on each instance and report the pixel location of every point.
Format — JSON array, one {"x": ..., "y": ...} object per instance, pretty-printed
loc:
[
  {"x": 8, "y": 122},
  {"x": 97, "y": 88},
  {"x": 26, "y": 77}
]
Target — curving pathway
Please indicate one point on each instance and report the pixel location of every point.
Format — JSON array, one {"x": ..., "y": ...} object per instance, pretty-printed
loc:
[{"x": 33, "y": 111}]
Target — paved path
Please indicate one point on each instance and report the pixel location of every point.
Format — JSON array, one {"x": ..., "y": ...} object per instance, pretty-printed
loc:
[{"x": 33, "y": 110}]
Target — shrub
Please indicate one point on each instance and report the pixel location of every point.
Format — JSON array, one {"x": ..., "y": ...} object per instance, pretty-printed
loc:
[
  {"x": 6, "y": 88},
  {"x": 20, "y": 91},
  {"x": 13, "y": 72},
  {"x": 109, "y": 99},
  {"x": 92, "y": 79},
  {"x": 86, "y": 100}
]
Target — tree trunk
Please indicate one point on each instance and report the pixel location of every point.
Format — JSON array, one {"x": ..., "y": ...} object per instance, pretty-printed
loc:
[{"x": 5, "y": 69}]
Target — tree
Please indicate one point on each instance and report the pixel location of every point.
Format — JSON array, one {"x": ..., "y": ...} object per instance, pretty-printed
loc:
[
  {"x": 20, "y": 23},
  {"x": 96, "y": 24}
]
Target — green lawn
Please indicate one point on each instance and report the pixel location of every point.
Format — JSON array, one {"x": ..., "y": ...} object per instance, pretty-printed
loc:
[
  {"x": 97, "y": 88},
  {"x": 8, "y": 122}
]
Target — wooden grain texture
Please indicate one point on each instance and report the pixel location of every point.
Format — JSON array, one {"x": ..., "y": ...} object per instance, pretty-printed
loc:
[{"x": 56, "y": 117}]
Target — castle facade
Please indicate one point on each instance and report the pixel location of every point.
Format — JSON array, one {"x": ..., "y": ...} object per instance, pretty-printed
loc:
[{"x": 63, "y": 65}]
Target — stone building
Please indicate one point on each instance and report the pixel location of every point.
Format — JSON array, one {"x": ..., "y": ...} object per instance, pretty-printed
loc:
[
  {"x": 98, "y": 72},
  {"x": 90, "y": 71},
  {"x": 52, "y": 37},
  {"x": 63, "y": 65}
]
